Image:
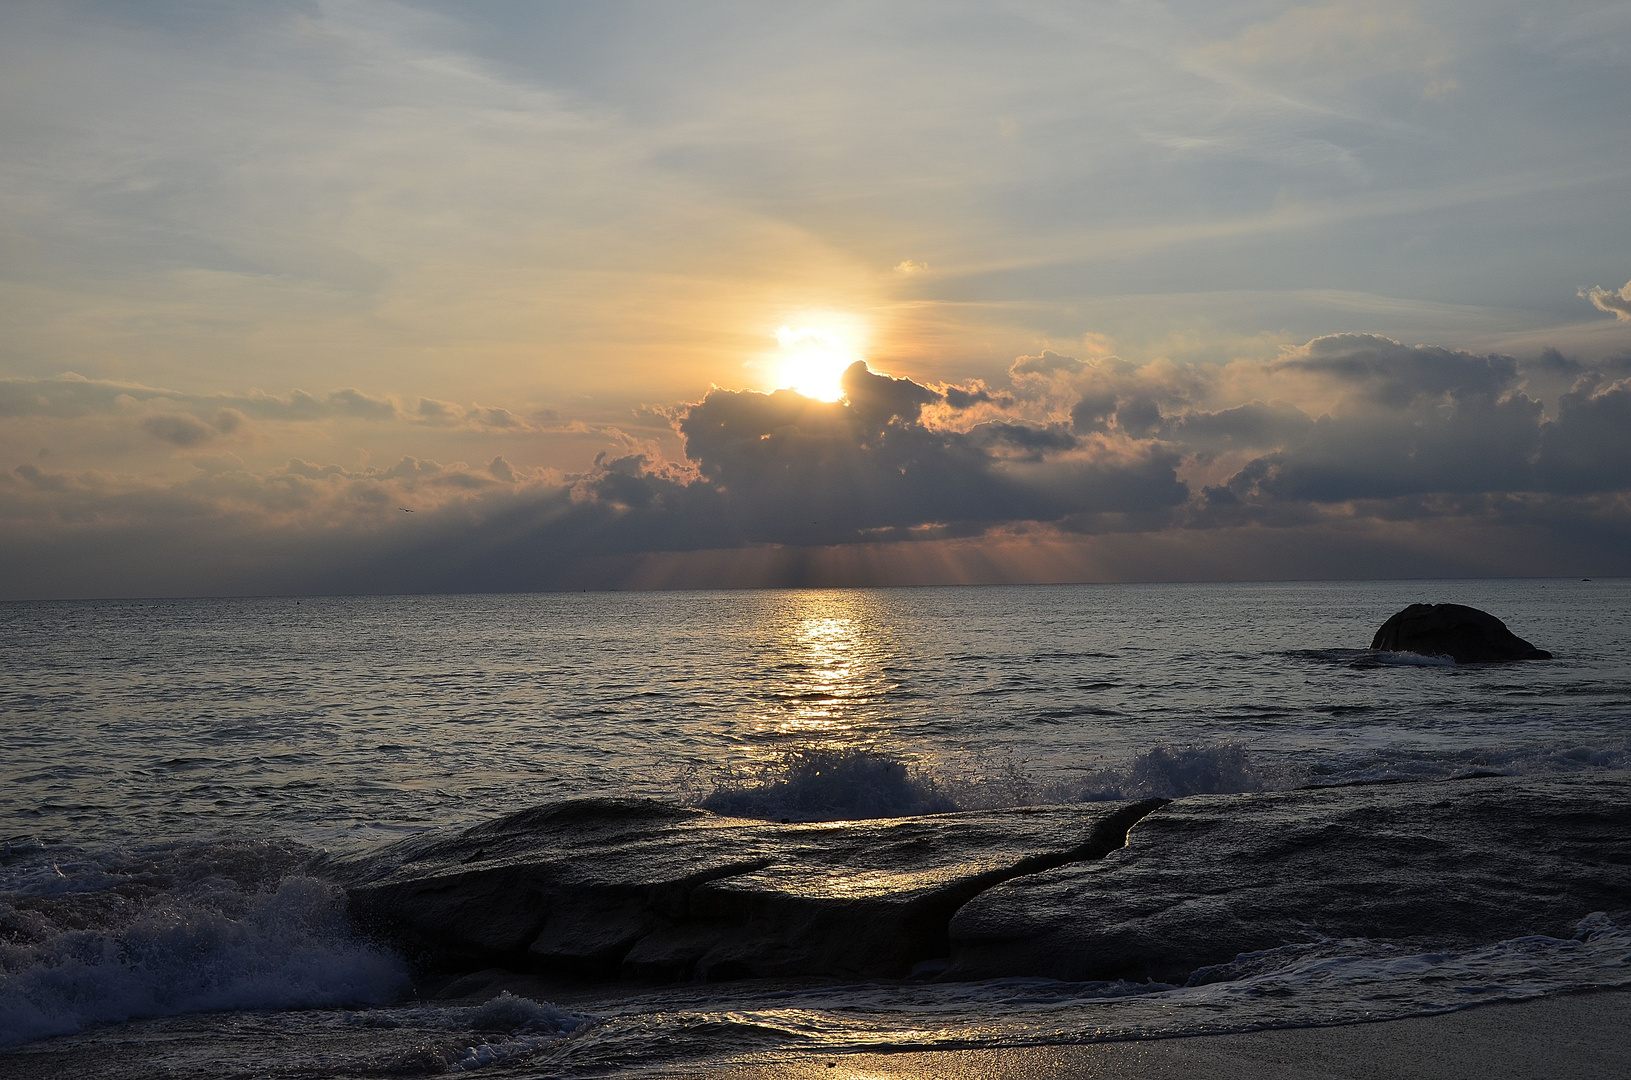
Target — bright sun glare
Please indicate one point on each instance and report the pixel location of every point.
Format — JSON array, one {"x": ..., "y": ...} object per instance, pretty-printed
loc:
[{"x": 813, "y": 361}]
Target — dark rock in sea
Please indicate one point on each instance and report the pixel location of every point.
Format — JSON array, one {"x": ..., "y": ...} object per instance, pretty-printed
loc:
[
  {"x": 664, "y": 892},
  {"x": 653, "y": 891},
  {"x": 1465, "y": 634},
  {"x": 1209, "y": 877}
]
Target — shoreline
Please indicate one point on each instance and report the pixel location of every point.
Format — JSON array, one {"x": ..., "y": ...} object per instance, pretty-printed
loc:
[
  {"x": 1580, "y": 1035},
  {"x": 1583, "y": 1036}
]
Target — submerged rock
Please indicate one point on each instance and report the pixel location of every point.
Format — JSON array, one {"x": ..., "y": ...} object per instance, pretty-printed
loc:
[
  {"x": 660, "y": 891},
  {"x": 1209, "y": 877},
  {"x": 1465, "y": 634}
]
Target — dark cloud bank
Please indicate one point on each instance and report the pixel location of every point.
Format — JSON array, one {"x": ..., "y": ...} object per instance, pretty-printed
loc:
[{"x": 1354, "y": 456}]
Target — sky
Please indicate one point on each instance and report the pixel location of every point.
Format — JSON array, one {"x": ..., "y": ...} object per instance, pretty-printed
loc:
[{"x": 335, "y": 297}]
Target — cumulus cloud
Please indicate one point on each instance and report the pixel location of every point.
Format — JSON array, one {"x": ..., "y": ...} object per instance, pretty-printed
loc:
[
  {"x": 960, "y": 398},
  {"x": 1372, "y": 439},
  {"x": 1048, "y": 363},
  {"x": 1256, "y": 425},
  {"x": 1412, "y": 422},
  {"x": 759, "y": 469},
  {"x": 793, "y": 470},
  {"x": 1395, "y": 375},
  {"x": 1588, "y": 447},
  {"x": 1617, "y": 302}
]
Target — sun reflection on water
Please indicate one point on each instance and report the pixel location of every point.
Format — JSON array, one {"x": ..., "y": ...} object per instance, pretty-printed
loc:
[{"x": 833, "y": 657}]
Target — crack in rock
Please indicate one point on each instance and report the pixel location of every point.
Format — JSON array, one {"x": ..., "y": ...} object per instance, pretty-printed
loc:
[{"x": 1211, "y": 877}]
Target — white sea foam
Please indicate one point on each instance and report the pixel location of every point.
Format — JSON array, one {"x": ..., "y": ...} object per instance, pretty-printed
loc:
[
  {"x": 829, "y": 785},
  {"x": 1171, "y": 772},
  {"x": 1374, "y": 658},
  {"x": 847, "y": 784},
  {"x": 175, "y": 930},
  {"x": 1407, "y": 659}
]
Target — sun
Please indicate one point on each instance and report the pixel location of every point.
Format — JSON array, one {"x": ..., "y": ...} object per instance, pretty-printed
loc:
[{"x": 812, "y": 361}]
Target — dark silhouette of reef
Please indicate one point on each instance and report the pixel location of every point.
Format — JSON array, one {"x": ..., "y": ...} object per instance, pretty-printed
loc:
[{"x": 1465, "y": 634}]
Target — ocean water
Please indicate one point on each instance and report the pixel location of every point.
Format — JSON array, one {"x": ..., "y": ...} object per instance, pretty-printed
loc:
[{"x": 171, "y": 770}]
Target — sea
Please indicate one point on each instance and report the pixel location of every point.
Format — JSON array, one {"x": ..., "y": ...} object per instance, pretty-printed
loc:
[{"x": 174, "y": 774}]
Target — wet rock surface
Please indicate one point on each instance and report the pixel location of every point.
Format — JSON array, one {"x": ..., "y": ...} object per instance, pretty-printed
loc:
[
  {"x": 662, "y": 893},
  {"x": 1466, "y": 634},
  {"x": 1209, "y": 877},
  {"x": 656, "y": 891}
]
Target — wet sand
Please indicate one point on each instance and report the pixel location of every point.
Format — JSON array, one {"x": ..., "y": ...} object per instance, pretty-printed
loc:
[{"x": 1577, "y": 1036}]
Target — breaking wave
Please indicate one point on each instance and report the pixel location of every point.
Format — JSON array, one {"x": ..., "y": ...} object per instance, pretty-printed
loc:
[
  {"x": 1171, "y": 772},
  {"x": 177, "y": 929},
  {"x": 818, "y": 784},
  {"x": 830, "y": 785}
]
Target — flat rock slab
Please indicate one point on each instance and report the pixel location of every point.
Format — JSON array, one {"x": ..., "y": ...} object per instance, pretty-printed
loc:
[
  {"x": 1209, "y": 877},
  {"x": 658, "y": 891}
]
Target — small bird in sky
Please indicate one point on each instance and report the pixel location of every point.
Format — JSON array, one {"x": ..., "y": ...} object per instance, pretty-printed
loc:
[{"x": 404, "y": 509}]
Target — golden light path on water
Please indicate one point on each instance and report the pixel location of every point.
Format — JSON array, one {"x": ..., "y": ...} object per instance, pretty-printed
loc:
[{"x": 833, "y": 655}]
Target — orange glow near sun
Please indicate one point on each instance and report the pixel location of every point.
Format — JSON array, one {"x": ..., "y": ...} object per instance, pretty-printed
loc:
[{"x": 811, "y": 360}]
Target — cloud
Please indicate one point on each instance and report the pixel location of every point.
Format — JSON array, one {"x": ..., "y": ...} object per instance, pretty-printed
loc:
[
  {"x": 347, "y": 401},
  {"x": 760, "y": 469},
  {"x": 1394, "y": 375},
  {"x": 1485, "y": 446},
  {"x": 1139, "y": 417},
  {"x": 1337, "y": 50},
  {"x": 1254, "y": 425},
  {"x": 1406, "y": 445},
  {"x": 1022, "y": 441},
  {"x": 961, "y": 398},
  {"x": 69, "y": 395},
  {"x": 437, "y": 412},
  {"x": 178, "y": 428},
  {"x": 40, "y": 480},
  {"x": 1048, "y": 363},
  {"x": 793, "y": 470},
  {"x": 1588, "y": 447},
  {"x": 1617, "y": 302},
  {"x": 1411, "y": 422}
]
